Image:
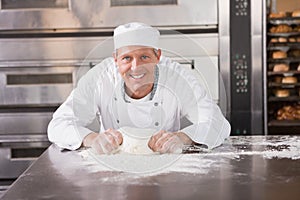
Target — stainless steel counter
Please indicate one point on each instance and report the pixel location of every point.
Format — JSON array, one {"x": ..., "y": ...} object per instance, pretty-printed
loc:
[{"x": 254, "y": 167}]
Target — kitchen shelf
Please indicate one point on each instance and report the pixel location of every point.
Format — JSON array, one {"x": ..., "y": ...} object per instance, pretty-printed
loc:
[
  {"x": 288, "y": 45},
  {"x": 284, "y": 20},
  {"x": 284, "y": 73},
  {"x": 287, "y": 60},
  {"x": 288, "y": 123},
  {"x": 284, "y": 85},
  {"x": 282, "y": 45},
  {"x": 284, "y": 34},
  {"x": 284, "y": 99}
]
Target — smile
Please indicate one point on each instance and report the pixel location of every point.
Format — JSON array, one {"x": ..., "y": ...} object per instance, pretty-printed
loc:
[{"x": 137, "y": 76}]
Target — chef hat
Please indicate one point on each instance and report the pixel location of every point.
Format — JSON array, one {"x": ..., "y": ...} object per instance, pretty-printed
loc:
[{"x": 135, "y": 33}]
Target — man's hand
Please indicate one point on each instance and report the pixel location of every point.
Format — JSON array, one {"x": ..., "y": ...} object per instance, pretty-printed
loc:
[
  {"x": 168, "y": 142},
  {"x": 104, "y": 143}
]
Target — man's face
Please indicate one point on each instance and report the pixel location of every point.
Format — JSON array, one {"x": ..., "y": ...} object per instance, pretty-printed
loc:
[{"x": 136, "y": 65}]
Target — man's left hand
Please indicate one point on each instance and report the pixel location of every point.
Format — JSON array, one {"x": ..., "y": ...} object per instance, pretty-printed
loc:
[{"x": 168, "y": 142}]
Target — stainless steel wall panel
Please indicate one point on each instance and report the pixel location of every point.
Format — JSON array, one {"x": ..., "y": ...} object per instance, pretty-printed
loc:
[
  {"x": 52, "y": 48},
  {"x": 100, "y": 14},
  {"x": 224, "y": 56},
  {"x": 190, "y": 45},
  {"x": 97, "y": 48},
  {"x": 37, "y": 94},
  {"x": 257, "y": 67},
  {"x": 24, "y": 123}
]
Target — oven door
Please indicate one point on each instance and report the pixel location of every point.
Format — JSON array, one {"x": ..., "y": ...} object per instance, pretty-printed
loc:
[
  {"x": 41, "y": 14},
  {"x": 37, "y": 85},
  {"x": 29, "y": 94}
]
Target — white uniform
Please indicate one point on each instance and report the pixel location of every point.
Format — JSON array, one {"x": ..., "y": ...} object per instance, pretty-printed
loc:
[{"x": 99, "y": 95}]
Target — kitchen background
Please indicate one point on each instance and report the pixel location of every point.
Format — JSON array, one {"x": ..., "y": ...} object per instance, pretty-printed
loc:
[{"x": 250, "y": 50}]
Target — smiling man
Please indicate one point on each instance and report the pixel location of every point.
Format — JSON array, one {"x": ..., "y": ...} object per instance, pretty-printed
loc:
[
  {"x": 136, "y": 65},
  {"x": 138, "y": 88}
]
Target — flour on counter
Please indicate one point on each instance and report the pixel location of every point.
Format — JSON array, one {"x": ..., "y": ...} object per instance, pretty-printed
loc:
[
  {"x": 195, "y": 163},
  {"x": 278, "y": 147},
  {"x": 148, "y": 164}
]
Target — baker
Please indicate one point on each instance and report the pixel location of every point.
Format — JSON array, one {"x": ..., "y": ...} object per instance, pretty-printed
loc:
[{"x": 140, "y": 88}]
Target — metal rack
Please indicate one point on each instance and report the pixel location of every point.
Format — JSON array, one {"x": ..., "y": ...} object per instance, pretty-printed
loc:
[{"x": 288, "y": 45}]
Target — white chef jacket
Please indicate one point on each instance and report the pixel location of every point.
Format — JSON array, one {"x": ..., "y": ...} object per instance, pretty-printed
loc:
[{"x": 99, "y": 96}]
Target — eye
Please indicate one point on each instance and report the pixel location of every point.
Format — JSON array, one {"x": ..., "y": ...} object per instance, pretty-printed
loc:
[
  {"x": 144, "y": 57},
  {"x": 126, "y": 58}
]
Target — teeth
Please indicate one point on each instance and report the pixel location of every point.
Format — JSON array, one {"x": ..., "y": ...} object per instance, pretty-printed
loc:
[{"x": 137, "y": 76}]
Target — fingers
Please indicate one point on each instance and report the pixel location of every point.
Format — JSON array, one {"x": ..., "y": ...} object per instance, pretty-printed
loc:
[
  {"x": 117, "y": 135},
  {"x": 165, "y": 142},
  {"x": 173, "y": 145},
  {"x": 154, "y": 139},
  {"x": 107, "y": 141}
]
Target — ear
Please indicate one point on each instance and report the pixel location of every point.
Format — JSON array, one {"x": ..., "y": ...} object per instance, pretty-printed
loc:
[
  {"x": 158, "y": 54},
  {"x": 114, "y": 54}
]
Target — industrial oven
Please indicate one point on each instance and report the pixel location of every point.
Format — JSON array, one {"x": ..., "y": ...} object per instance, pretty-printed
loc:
[{"x": 46, "y": 46}]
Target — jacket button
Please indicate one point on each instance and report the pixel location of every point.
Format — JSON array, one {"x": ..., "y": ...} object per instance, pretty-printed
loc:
[
  {"x": 115, "y": 98},
  {"x": 156, "y": 123},
  {"x": 118, "y": 121},
  {"x": 155, "y": 104}
]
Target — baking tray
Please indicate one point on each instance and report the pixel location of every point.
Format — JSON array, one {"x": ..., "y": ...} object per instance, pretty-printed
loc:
[
  {"x": 284, "y": 99},
  {"x": 284, "y": 123},
  {"x": 284, "y": 85},
  {"x": 284, "y": 73},
  {"x": 282, "y": 45},
  {"x": 283, "y": 34},
  {"x": 284, "y": 20},
  {"x": 286, "y": 60}
]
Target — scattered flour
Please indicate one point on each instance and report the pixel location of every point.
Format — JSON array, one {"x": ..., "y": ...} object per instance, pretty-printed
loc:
[
  {"x": 194, "y": 163},
  {"x": 148, "y": 164},
  {"x": 278, "y": 147}
]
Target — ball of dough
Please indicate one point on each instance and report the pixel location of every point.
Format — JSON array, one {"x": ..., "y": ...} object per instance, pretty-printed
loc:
[{"x": 135, "y": 140}]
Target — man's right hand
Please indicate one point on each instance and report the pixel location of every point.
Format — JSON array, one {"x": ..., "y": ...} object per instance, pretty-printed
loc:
[{"x": 104, "y": 143}]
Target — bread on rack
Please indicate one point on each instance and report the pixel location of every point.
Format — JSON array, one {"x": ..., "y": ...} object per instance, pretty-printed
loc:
[
  {"x": 282, "y": 92},
  {"x": 292, "y": 39},
  {"x": 282, "y": 28},
  {"x": 279, "y": 54},
  {"x": 282, "y": 39},
  {"x": 298, "y": 68},
  {"x": 296, "y": 29},
  {"x": 277, "y": 79},
  {"x": 274, "y": 40},
  {"x": 282, "y": 67},
  {"x": 289, "y": 80},
  {"x": 295, "y": 53},
  {"x": 296, "y": 13},
  {"x": 277, "y": 15},
  {"x": 289, "y": 112}
]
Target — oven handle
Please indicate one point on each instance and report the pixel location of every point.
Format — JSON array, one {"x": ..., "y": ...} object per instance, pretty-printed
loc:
[{"x": 23, "y": 139}]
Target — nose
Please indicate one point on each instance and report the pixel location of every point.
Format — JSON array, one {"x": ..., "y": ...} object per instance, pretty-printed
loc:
[{"x": 135, "y": 63}]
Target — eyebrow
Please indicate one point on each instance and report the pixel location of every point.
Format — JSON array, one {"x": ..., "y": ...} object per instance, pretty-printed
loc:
[{"x": 142, "y": 52}]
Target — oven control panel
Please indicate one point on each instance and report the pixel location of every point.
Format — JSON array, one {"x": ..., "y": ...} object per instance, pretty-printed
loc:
[
  {"x": 240, "y": 73},
  {"x": 240, "y": 7},
  {"x": 240, "y": 67}
]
